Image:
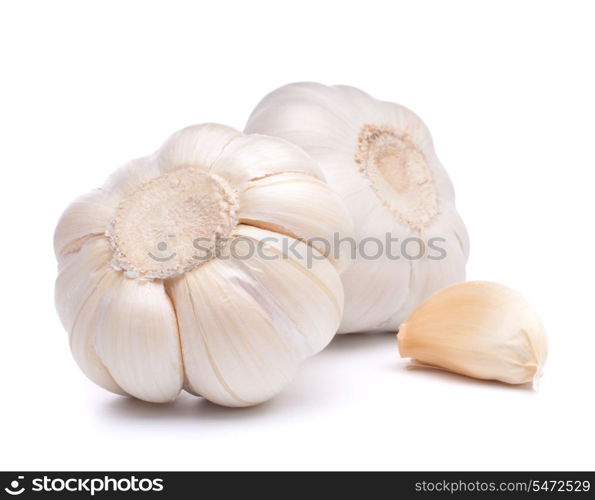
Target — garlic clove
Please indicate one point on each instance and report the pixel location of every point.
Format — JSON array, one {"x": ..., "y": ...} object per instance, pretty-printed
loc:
[
  {"x": 78, "y": 276},
  {"x": 295, "y": 282},
  {"x": 295, "y": 215},
  {"x": 479, "y": 329},
  {"x": 76, "y": 302},
  {"x": 233, "y": 354},
  {"x": 87, "y": 216},
  {"x": 137, "y": 337},
  {"x": 247, "y": 322},
  {"x": 195, "y": 146},
  {"x": 204, "y": 374},
  {"x": 255, "y": 156}
]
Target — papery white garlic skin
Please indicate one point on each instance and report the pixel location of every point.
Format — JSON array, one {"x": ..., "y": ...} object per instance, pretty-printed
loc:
[
  {"x": 380, "y": 158},
  {"x": 480, "y": 329},
  {"x": 190, "y": 269}
]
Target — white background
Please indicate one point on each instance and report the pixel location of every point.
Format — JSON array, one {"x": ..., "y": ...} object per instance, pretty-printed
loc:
[{"x": 507, "y": 89}]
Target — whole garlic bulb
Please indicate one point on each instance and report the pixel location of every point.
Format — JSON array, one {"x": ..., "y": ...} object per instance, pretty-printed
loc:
[
  {"x": 190, "y": 269},
  {"x": 379, "y": 157},
  {"x": 479, "y": 329}
]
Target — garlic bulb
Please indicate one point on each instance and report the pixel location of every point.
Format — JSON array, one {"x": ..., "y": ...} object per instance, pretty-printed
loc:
[
  {"x": 479, "y": 329},
  {"x": 379, "y": 157},
  {"x": 190, "y": 269}
]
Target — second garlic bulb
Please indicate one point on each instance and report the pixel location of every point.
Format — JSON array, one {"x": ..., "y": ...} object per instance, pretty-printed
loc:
[
  {"x": 379, "y": 157},
  {"x": 190, "y": 269}
]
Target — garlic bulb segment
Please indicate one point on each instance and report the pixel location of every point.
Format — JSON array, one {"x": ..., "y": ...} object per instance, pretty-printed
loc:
[
  {"x": 479, "y": 329},
  {"x": 379, "y": 157},
  {"x": 246, "y": 324},
  {"x": 193, "y": 268}
]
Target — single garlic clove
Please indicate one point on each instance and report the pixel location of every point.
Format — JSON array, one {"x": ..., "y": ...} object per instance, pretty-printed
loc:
[
  {"x": 123, "y": 332},
  {"x": 379, "y": 157},
  {"x": 79, "y": 274},
  {"x": 301, "y": 283},
  {"x": 86, "y": 216},
  {"x": 256, "y": 156},
  {"x": 137, "y": 337},
  {"x": 196, "y": 146},
  {"x": 479, "y": 329},
  {"x": 294, "y": 214},
  {"x": 247, "y": 323},
  {"x": 77, "y": 303}
]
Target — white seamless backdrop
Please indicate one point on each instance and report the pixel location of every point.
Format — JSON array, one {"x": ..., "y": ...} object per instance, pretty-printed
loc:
[{"x": 506, "y": 89}]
